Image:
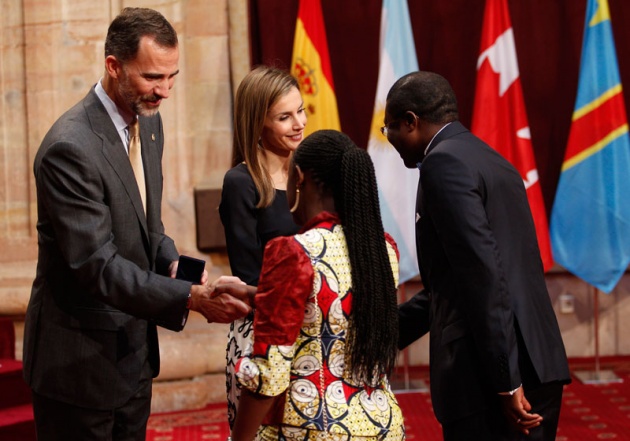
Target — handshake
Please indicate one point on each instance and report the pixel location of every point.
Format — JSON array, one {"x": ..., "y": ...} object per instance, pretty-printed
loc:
[{"x": 224, "y": 300}]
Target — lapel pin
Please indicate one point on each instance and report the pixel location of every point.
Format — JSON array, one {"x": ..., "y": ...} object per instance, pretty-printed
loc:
[{"x": 152, "y": 136}]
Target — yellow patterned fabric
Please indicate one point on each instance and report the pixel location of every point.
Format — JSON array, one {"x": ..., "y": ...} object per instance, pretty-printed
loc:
[
  {"x": 275, "y": 433},
  {"x": 300, "y": 344}
]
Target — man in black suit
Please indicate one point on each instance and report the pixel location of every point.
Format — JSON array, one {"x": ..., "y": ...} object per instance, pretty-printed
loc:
[
  {"x": 497, "y": 361},
  {"x": 106, "y": 269}
]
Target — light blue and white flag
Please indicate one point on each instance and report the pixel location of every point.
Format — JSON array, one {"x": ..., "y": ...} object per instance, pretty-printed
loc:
[{"x": 397, "y": 185}]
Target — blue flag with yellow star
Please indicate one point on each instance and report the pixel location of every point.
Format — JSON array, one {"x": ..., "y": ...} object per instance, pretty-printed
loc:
[{"x": 590, "y": 220}]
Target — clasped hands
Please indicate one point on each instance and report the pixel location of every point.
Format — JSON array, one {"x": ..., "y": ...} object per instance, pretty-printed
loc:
[{"x": 216, "y": 306}]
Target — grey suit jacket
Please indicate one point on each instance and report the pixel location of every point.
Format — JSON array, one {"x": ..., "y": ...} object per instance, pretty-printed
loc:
[{"x": 100, "y": 287}]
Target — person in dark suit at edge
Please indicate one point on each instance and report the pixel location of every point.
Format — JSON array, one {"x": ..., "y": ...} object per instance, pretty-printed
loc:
[
  {"x": 497, "y": 360},
  {"x": 106, "y": 269}
]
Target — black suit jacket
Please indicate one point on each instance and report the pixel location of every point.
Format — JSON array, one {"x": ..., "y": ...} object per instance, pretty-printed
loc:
[
  {"x": 90, "y": 329},
  {"x": 492, "y": 325}
]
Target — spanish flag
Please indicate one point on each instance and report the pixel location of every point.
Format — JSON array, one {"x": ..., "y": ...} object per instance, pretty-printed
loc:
[{"x": 310, "y": 64}]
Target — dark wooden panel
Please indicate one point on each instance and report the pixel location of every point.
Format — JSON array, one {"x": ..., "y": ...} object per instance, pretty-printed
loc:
[{"x": 210, "y": 236}]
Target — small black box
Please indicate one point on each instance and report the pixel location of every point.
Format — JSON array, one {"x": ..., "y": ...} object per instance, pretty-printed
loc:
[{"x": 190, "y": 269}]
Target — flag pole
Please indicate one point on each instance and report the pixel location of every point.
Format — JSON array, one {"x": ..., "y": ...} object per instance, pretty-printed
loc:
[
  {"x": 596, "y": 329},
  {"x": 597, "y": 376}
]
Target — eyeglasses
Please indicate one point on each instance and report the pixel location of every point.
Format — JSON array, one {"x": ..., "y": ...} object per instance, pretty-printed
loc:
[{"x": 385, "y": 128}]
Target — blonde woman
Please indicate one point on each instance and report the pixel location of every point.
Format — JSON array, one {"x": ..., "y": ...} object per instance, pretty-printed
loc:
[{"x": 269, "y": 121}]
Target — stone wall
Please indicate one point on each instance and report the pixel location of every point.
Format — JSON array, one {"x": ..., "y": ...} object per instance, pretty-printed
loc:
[{"x": 51, "y": 53}]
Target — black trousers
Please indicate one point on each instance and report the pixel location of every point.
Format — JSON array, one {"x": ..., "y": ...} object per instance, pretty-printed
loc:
[
  {"x": 59, "y": 421},
  {"x": 490, "y": 424}
]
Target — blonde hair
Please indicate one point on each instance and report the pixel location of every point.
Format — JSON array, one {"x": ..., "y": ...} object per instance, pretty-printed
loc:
[{"x": 258, "y": 92}]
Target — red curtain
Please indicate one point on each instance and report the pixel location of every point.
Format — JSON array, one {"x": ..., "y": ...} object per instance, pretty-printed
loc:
[{"x": 548, "y": 38}]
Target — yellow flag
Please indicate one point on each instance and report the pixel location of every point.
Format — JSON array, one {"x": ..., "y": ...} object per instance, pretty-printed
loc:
[{"x": 310, "y": 64}]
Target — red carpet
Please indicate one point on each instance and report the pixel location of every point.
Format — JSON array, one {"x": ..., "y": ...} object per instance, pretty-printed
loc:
[
  {"x": 206, "y": 424},
  {"x": 590, "y": 412},
  {"x": 16, "y": 412},
  {"x": 597, "y": 412}
]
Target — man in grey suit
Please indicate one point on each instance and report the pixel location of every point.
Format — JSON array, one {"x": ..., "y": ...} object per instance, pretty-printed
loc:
[
  {"x": 497, "y": 359},
  {"x": 106, "y": 269}
]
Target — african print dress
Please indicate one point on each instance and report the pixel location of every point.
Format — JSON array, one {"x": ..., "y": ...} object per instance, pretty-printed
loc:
[
  {"x": 247, "y": 231},
  {"x": 303, "y": 303}
]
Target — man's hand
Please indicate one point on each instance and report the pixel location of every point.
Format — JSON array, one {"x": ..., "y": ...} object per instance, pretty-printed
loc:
[
  {"x": 218, "y": 308},
  {"x": 245, "y": 293},
  {"x": 516, "y": 409},
  {"x": 223, "y": 309}
]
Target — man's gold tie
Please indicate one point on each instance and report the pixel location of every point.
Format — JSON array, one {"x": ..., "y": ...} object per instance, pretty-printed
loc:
[{"x": 135, "y": 156}]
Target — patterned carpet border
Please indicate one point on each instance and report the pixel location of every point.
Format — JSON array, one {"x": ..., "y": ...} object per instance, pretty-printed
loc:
[{"x": 590, "y": 412}]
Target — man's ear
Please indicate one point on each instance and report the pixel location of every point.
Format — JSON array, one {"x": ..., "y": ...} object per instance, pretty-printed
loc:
[
  {"x": 411, "y": 119},
  {"x": 113, "y": 66}
]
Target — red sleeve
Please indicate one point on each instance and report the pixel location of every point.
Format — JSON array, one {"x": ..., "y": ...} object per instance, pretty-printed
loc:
[
  {"x": 392, "y": 242},
  {"x": 286, "y": 281}
]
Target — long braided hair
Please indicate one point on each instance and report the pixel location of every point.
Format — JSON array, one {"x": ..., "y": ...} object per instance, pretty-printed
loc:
[{"x": 345, "y": 170}]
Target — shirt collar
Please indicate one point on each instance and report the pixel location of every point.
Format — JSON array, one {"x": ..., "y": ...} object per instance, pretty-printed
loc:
[
  {"x": 426, "y": 151},
  {"x": 113, "y": 112}
]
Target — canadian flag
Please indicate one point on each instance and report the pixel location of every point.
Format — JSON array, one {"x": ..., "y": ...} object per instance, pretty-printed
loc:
[{"x": 499, "y": 116}]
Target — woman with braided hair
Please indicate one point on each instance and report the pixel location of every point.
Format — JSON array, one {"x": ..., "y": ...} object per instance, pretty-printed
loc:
[{"x": 326, "y": 322}]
